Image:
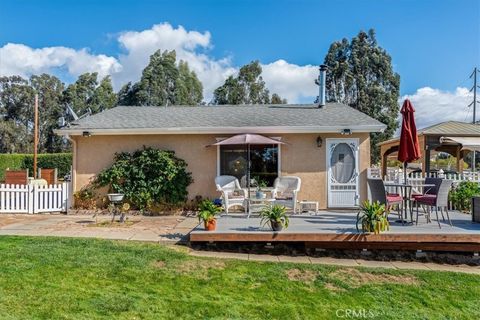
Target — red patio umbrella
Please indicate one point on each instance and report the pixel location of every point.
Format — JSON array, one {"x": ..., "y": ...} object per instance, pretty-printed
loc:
[{"x": 409, "y": 148}]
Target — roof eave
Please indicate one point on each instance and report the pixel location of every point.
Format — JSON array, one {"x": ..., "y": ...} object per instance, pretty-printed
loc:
[{"x": 220, "y": 130}]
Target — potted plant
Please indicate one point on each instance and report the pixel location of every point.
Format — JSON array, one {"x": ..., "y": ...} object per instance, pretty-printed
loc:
[
  {"x": 276, "y": 215},
  {"x": 372, "y": 217},
  {"x": 259, "y": 193},
  {"x": 207, "y": 212}
]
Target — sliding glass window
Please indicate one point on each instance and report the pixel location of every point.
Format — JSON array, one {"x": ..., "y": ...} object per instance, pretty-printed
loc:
[{"x": 264, "y": 162}]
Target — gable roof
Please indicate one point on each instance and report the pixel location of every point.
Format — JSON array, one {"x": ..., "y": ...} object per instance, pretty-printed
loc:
[
  {"x": 447, "y": 128},
  {"x": 452, "y": 128},
  {"x": 333, "y": 117}
]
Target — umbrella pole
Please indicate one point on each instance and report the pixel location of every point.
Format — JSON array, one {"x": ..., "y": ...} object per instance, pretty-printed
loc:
[{"x": 248, "y": 169}]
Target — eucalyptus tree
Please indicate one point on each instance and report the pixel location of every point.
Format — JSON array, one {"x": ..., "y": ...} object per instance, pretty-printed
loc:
[
  {"x": 360, "y": 74},
  {"x": 248, "y": 87}
]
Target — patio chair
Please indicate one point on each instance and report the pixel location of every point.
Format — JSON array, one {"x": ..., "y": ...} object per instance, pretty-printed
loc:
[
  {"x": 378, "y": 193},
  {"x": 232, "y": 193},
  {"x": 285, "y": 190},
  {"x": 429, "y": 190},
  {"x": 438, "y": 200}
]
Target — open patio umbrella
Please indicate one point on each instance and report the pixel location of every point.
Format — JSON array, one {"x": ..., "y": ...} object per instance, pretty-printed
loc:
[
  {"x": 247, "y": 139},
  {"x": 409, "y": 148}
]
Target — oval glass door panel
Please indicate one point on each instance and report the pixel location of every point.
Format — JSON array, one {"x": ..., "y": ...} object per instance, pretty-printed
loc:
[{"x": 342, "y": 163}]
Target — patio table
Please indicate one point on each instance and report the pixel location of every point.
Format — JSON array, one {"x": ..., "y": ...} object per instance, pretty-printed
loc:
[{"x": 407, "y": 196}]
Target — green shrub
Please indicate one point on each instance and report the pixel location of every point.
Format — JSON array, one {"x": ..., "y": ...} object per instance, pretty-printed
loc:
[
  {"x": 148, "y": 177},
  {"x": 372, "y": 218},
  {"x": 61, "y": 161},
  {"x": 462, "y": 195}
]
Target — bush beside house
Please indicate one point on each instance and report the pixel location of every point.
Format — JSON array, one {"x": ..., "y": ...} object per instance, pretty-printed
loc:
[
  {"x": 148, "y": 177},
  {"x": 61, "y": 161}
]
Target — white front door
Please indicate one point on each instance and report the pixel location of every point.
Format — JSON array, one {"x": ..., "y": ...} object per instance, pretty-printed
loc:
[{"x": 343, "y": 173}]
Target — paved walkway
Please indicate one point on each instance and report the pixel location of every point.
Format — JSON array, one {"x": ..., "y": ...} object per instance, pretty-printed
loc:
[
  {"x": 398, "y": 265},
  {"x": 169, "y": 229},
  {"x": 172, "y": 229}
]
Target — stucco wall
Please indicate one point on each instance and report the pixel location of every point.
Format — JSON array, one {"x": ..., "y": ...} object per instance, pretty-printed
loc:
[{"x": 300, "y": 157}]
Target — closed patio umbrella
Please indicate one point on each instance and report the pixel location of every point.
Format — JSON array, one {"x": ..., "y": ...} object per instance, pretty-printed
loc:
[
  {"x": 247, "y": 139},
  {"x": 409, "y": 148}
]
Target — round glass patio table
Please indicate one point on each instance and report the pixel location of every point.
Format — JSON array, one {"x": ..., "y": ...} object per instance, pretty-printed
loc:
[{"x": 407, "y": 196}]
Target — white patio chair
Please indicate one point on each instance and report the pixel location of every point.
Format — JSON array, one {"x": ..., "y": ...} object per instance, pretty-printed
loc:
[
  {"x": 232, "y": 193},
  {"x": 285, "y": 190}
]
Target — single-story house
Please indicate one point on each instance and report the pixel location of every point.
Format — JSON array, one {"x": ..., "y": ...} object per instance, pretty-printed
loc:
[{"x": 327, "y": 146}]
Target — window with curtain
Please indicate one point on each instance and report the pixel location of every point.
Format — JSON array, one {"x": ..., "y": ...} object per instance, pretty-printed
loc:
[
  {"x": 264, "y": 162},
  {"x": 342, "y": 163}
]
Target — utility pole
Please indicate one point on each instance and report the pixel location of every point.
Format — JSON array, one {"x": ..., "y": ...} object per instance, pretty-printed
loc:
[
  {"x": 474, "y": 103},
  {"x": 35, "y": 138}
]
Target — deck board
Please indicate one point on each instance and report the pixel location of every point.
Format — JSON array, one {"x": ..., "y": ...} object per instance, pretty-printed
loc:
[{"x": 337, "y": 230}]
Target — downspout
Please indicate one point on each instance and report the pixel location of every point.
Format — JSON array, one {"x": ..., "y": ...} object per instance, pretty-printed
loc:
[{"x": 74, "y": 170}]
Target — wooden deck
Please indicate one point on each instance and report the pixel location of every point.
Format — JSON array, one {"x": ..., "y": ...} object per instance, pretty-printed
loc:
[{"x": 336, "y": 230}]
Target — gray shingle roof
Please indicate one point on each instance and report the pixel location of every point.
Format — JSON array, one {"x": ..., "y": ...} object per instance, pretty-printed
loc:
[{"x": 214, "y": 118}]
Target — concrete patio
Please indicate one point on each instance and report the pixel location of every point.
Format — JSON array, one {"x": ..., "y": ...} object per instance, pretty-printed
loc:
[{"x": 170, "y": 229}]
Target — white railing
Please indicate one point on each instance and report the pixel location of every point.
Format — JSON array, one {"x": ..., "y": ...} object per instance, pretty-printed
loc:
[
  {"x": 397, "y": 176},
  {"x": 33, "y": 198}
]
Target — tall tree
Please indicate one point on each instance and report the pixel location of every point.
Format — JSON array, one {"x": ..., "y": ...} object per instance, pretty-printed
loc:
[
  {"x": 360, "y": 74},
  {"x": 50, "y": 95},
  {"x": 163, "y": 82},
  {"x": 16, "y": 114},
  {"x": 247, "y": 87},
  {"x": 87, "y": 94},
  {"x": 188, "y": 89},
  {"x": 103, "y": 96},
  {"x": 126, "y": 95}
]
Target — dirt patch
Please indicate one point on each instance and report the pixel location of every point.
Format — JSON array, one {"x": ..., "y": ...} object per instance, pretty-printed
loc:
[
  {"x": 332, "y": 287},
  {"x": 159, "y": 264},
  {"x": 115, "y": 224},
  {"x": 357, "y": 278},
  {"x": 307, "y": 276},
  {"x": 192, "y": 266}
]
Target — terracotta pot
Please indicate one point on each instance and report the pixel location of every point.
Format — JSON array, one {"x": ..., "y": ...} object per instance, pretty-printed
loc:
[
  {"x": 210, "y": 225},
  {"x": 276, "y": 226}
]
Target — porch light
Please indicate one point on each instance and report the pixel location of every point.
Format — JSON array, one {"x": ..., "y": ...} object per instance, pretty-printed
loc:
[
  {"x": 346, "y": 132},
  {"x": 319, "y": 141},
  {"x": 86, "y": 133}
]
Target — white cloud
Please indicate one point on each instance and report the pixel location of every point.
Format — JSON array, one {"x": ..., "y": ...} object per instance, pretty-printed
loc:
[
  {"x": 291, "y": 81},
  {"x": 19, "y": 59},
  {"x": 434, "y": 106},
  {"x": 190, "y": 46}
]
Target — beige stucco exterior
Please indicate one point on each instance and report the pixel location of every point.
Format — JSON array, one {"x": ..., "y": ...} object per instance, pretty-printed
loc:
[{"x": 300, "y": 157}]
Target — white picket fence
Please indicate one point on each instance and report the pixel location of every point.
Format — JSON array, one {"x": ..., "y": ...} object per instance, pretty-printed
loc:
[
  {"x": 33, "y": 198},
  {"x": 397, "y": 176}
]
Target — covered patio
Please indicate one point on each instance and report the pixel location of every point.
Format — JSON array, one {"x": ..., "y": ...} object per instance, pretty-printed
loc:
[{"x": 452, "y": 137}]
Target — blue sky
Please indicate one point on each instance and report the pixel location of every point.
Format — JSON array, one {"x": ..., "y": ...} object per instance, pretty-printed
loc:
[{"x": 434, "y": 44}]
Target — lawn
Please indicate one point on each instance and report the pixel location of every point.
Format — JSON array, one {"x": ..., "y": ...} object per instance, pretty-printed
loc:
[{"x": 56, "y": 278}]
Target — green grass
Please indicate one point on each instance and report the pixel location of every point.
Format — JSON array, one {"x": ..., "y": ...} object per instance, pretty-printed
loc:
[{"x": 56, "y": 278}]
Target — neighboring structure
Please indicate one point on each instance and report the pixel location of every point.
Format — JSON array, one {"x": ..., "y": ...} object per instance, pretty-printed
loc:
[
  {"x": 453, "y": 137},
  {"x": 328, "y": 147}
]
